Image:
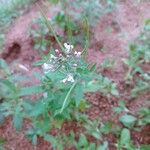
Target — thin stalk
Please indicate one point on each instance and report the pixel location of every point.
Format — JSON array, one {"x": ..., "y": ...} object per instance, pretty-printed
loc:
[
  {"x": 67, "y": 96},
  {"x": 69, "y": 31},
  {"x": 49, "y": 26},
  {"x": 84, "y": 52}
]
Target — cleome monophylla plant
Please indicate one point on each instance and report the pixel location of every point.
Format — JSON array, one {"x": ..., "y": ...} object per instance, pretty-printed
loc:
[
  {"x": 72, "y": 77},
  {"x": 66, "y": 77}
]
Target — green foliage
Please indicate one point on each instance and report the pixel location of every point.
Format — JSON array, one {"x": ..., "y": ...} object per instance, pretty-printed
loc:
[
  {"x": 128, "y": 120},
  {"x": 74, "y": 19},
  {"x": 2, "y": 142},
  {"x": 144, "y": 116},
  {"x": 41, "y": 35},
  {"x": 139, "y": 55},
  {"x": 66, "y": 77},
  {"x": 125, "y": 140},
  {"x": 8, "y": 11},
  {"x": 121, "y": 107},
  {"x": 79, "y": 9}
]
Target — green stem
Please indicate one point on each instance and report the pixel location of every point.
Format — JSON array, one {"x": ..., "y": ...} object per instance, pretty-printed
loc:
[
  {"x": 49, "y": 26},
  {"x": 67, "y": 96},
  {"x": 84, "y": 52}
]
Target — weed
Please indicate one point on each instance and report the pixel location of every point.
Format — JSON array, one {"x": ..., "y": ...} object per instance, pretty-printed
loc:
[{"x": 66, "y": 77}]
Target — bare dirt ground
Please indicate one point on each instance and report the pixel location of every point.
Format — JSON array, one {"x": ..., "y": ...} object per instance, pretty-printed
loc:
[{"x": 111, "y": 38}]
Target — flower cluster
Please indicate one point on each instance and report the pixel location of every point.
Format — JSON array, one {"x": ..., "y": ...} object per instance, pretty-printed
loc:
[
  {"x": 50, "y": 66},
  {"x": 63, "y": 62}
]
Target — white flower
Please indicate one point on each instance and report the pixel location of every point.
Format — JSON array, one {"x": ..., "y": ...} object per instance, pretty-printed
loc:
[
  {"x": 45, "y": 95},
  {"x": 68, "y": 47},
  {"x": 52, "y": 56},
  {"x": 75, "y": 65},
  {"x": 56, "y": 50},
  {"x": 47, "y": 67},
  {"x": 78, "y": 54},
  {"x": 69, "y": 78},
  {"x": 64, "y": 80}
]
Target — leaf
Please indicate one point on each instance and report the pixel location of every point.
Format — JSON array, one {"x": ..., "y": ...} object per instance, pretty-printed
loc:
[
  {"x": 121, "y": 104},
  {"x": 107, "y": 127},
  {"x": 103, "y": 147},
  {"x": 31, "y": 90},
  {"x": 17, "y": 121},
  {"x": 92, "y": 67},
  {"x": 117, "y": 109},
  {"x": 2, "y": 118},
  {"x": 128, "y": 120},
  {"x": 39, "y": 63},
  {"x": 96, "y": 134},
  {"x": 83, "y": 141},
  {"x": 51, "y": 139},
  {"x": 3, "y": 65},
  {"x": 125, "y": 137},
  {"x": 37, "y": 109},
  {"x": 92, "y": 146},
  {"x": 34, "y": 140},
  {"x": 83, "y": 105},
  {"x": 2, "y": 141},
  {"x": 18, "y": 118},
  {"x": 114, "y": 90},
  {"x": 145, "y": 147},
  {"x": 92, "y": 86},
  {"x": 78, "y": 94},
  {"x": 7, "y": 88}
]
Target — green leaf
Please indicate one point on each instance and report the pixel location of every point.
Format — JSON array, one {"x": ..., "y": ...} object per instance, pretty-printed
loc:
[
  {"x": 34, "y": 140},
  {"x": 145, "y": 147},
  {"x": 38, "y": 108},
  {"x": 125, "y": 137},
  {"x": 2, "y": 118},
  {"x": 83, "y": 105},
  {"x": 121, "y": 104},
  {"x": 18, "y": 118},
  {"x": 128, "y": 120},
  {"x": 92, "y": 86},
  {"x": 78, "y": 94},
  {"x": 51, "y": 139},
  {"x": 7, "y": 88},
  {"x": 17, "y": 121},
  {"x": 2, "y": 141},
  {"x": 92, "y": 67},
  {"x": 114, "y": 90},
  {"x": 96, "y": 134},
  {"x": 83, "y": 141},
  {"x": 106, "y": 128},
  {"x": 31, "y": 90},
  {"x": 92, "y": 146},
  {"x": 117, "y": 109},
  {"x": 39, "y": 63},
  {"x": 3, "y": 65},
  {"x": 103, "y": 147}
]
